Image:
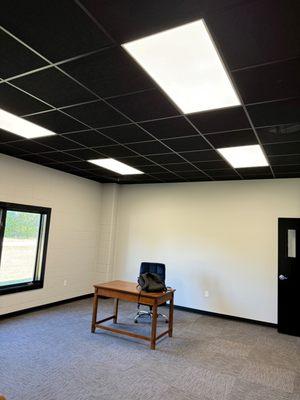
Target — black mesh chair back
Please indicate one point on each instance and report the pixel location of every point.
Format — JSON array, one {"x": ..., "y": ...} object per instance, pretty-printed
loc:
[{"x": 154, "y": 268}]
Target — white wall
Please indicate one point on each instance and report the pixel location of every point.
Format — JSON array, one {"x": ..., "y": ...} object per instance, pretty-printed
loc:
[
  {"x": 109, "y": 204},
  {"x": 215, "y": 236},
  {"x": 74, "y": 239}
]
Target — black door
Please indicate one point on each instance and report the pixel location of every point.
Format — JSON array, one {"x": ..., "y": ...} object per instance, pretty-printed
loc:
[{"x": 289, "y": 276}]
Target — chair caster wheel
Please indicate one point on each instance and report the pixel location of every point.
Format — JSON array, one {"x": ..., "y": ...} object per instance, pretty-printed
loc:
[
  {"x": 135, "y": 321},
  {"x": 166, "y": 321}
]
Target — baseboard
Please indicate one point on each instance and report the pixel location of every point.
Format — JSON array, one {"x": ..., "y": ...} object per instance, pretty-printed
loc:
[
  {"x": 188, "y": 309},
  {"x": 41, "y": 307},
  {"x": 225, "y": 316}
]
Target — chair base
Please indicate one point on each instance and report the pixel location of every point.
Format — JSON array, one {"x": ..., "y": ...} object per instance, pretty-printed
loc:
[{"x": 141, "y": 313}]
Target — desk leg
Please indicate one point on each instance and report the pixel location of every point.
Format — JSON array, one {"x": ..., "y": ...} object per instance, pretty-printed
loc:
[
  {"x": 154, "y": 324},
  {"x": 95, "y": 309},
  {"x": 171, "y": 312},
  {"x": 116, "y": 309}
]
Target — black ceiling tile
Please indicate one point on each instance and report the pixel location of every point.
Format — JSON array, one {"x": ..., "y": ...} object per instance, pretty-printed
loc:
[
  {"x": 16, "y": 58},
  {"x": 279, "y": 133},
  {"x": 115, "y": 151},
  {"x": 222, "y": 173},
  {"x": 261, "y": 176},
  {"x": 31, "y": 146},
  {"x": 137, "y": 179},
  {"x": 269, "y": 82},
  {"x": 59, "y": 156},
  {"x": 187, "y": 143},
  {"x": 164, "y": 176},
  {"x": 285, "y": 160},
  {"x": 145, "y": 105},
  {"x": 235, "y": 138},
  {"x": 275, "y": 113},
  {"x": 286, "y": 168},
  {"x": 120, "y": 74},
  {"x": 287, "y": 175},
  {"x": 152, "y": 169},
  {"x": 17, "y": 102},
  {"x": 192, "y": 175},
  {"x": 58, "y": 30},
  {"x": 89, "y": 138},
  {"x": 152, "y": 147},
  {"x": 8, "y": 136},
  {"x": 166, "y": 158},
  {"x": 85, "y": 154},
  {"x": 225, "y": 119},
  {"x": 208, "y": 165},
  {"x": 257, "y": 32},
  {"x": 11, "y": 150},
  {"x": 82, "y": 165},
  {"x": 183, "y": 166},
  {"x": 282, "y": 148},
  {"x": 135, "y": 161},
  {"x": 56, "y": 122},
  {"x": 127, "y": 133},
  {"x": 37, "y": 158},
  {"x": 96, "y": 114},
  {"x": 204, "y": 155},
  {"x": 257, "y": 171},
  {"x": 58, "y": 142},
  {"x": 132, "y": 19},
  {"x": 128, "y": 179},
  {"x": 170, "y": 128},
  {"x": 54, "y": 87}
]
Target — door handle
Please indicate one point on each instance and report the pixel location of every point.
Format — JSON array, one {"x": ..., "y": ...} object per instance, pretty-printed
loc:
[{"x": 283, "y": 277}]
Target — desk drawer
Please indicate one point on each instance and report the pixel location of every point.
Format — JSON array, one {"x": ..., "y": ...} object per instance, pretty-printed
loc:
[{"x": 125, "y": 296}]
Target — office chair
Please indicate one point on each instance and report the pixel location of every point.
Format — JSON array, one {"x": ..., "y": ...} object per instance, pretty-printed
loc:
[{"x": 160, "y": 270}]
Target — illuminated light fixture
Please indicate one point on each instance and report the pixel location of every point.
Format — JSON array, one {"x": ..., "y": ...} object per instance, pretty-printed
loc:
[
  {"x": 11, "y": 123},
  {"x": 186, "y": 65},
  {"x": 116, "y": 166},
  {"x": 244, "y": 156}
]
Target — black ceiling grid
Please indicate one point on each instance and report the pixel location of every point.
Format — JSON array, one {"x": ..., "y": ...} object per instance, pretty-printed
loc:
[
  {"x": 203, "y": 173},
  {"x": 109, "y": 175},
  {"x": 241, "y": 101},
  {"x": 155, "y": 138},
  {"x": 160, "y": 178}
]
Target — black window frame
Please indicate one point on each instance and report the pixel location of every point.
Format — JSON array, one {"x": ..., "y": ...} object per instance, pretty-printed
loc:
[{"x": 41, "y": 253}]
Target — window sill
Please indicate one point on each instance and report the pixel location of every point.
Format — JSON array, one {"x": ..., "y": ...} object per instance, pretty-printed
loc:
[{"x": 20, "y": 287}]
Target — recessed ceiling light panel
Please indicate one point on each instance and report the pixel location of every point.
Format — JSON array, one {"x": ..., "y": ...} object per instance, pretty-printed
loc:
[
  {"x": 186, "y": 65},
  {"x": 116, "y": 166},
  {"x": 20, "y": 126},
  {"x": 244, "y": 156}
]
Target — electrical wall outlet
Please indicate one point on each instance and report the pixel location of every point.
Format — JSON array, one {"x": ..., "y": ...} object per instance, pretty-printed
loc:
[{"x": 206, "y": 293}]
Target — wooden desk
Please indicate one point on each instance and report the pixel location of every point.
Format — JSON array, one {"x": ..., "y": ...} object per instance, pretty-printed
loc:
[{"x": 122, "y": 290}]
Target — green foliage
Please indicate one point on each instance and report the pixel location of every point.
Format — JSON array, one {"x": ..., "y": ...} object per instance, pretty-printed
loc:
[{"x": 22, "y": 225}]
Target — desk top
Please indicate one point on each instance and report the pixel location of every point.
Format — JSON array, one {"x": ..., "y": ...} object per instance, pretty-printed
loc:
[{"x": 129, "y": 287}]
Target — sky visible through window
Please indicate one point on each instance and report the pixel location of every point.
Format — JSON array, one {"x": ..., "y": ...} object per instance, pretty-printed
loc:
[{"x": 19, "y": 247}]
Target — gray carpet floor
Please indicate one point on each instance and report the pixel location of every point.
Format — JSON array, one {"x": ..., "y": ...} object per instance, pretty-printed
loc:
[{"x": 51, "y": 355}]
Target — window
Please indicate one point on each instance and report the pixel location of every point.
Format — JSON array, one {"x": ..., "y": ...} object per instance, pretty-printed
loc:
[{"x": 23, "y": 246}]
